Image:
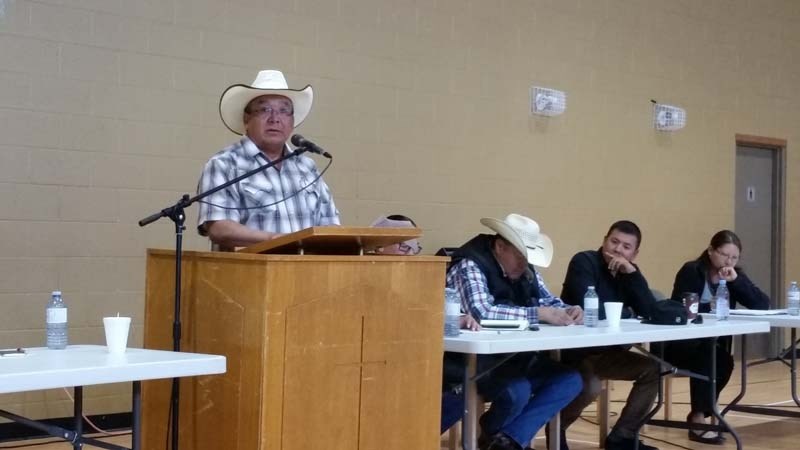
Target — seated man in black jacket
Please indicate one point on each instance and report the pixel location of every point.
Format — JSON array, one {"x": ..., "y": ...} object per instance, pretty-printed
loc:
[{"x": 611, "y": 270}]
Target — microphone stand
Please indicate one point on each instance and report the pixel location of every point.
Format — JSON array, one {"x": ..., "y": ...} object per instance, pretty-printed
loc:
[{"x": 177, "y": 215}]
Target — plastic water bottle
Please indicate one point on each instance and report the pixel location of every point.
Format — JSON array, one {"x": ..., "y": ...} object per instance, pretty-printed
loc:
[
  {"x": 723, "y": 301},
  {"x": 452, "y": 312},
  {"x": 591, "y": 308},
  {"x": 793, "y": 299},
  {"x": 56, "y": 322}
]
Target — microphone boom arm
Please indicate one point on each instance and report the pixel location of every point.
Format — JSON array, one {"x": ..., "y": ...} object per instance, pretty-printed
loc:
[{"x": 187, "y": 201}]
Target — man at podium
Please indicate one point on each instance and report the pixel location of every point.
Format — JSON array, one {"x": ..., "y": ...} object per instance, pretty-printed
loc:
[{"x": 288, "y": 197}]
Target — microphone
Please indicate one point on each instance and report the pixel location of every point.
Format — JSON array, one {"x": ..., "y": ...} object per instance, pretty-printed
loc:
[{"x": 300, "y": 141}]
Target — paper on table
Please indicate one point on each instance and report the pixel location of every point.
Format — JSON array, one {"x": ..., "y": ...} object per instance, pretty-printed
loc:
[
  {"x": 506, "y": 324},
  {"x": 493, "y": 331},
  {"x": 758, "y": 312}
]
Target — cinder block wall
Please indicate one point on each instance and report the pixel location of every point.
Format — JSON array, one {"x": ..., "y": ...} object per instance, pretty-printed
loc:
[{"x": 108, "y": 109}]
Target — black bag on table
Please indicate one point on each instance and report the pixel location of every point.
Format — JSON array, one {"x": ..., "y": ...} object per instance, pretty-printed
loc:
[{"x": 666, "y": 312}]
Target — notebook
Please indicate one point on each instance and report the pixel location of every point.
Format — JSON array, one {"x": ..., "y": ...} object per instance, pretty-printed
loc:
[{"x": 758, "y": 312}]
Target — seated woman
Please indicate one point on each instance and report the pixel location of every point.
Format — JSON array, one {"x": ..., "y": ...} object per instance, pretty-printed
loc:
[{"x": 701, "y": 276}]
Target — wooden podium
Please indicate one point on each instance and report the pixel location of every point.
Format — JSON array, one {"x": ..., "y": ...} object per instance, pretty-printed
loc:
[{"x": 324, "y": 351}]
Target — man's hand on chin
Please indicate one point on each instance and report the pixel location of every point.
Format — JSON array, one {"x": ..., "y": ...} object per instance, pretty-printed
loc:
[{"x": 618, "y": 264}]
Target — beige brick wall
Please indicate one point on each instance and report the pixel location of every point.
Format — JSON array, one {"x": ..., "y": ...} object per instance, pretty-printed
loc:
[{"x": 424, "y": 105}]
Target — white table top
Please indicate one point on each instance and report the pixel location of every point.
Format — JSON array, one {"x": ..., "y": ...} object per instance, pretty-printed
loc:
[
  {"x": 85, "y": 365},
  {"x": 631, "y": 331},
  {"x": 774, "y": 320}
]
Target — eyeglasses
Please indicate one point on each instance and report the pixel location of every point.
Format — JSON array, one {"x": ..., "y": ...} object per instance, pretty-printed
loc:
[
  {"x": 283, "y": 112},
  {"x": 407, "y": 249},
  {"x": 727, "y": 257}
]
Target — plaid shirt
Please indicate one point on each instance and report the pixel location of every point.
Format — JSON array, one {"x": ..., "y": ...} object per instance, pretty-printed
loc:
[
  {"x": 469, "y": 280},
  {"x": 310, "y": 207}
]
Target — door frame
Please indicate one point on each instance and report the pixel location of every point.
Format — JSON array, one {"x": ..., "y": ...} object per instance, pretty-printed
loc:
[{"x": 778, "y": 281}]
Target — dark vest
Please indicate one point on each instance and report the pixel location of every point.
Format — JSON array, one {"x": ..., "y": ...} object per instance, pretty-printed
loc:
[{"x": 521, "y": 292}]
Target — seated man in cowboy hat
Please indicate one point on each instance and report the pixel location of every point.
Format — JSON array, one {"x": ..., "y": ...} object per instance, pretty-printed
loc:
[
  {"x": 496, "y": 279},
  {"x": 282, "y": 199},
  {"x": 610, "y": 269}
]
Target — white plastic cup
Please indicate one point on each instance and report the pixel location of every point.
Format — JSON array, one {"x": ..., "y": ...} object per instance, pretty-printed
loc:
[
  {"x": 613, "y": 313},
  {"x": 116, "y": 333}
]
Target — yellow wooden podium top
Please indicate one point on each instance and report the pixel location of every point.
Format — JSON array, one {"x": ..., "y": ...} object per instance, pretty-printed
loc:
[{"x": 334, "y": 240}]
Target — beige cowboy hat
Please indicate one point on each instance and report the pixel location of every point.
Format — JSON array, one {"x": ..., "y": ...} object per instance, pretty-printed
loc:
[
  {"x": 267, "y": 82},
  {"x": 523, "y": 233}
]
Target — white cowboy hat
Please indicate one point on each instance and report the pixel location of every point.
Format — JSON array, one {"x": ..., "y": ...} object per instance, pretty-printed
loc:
[
  {"x": 267, "y": 82},
  {"x": 523, "y": 233}
]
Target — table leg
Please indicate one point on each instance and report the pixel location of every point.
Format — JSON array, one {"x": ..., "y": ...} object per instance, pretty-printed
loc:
[
  {"x": 713, "y": 393},
  {"x": 793, "y": 349},
  {"x": 554, "y": 425},
  {"x": 136, "y": 420},
  {"x": 659, "y": 360},
  {"x": 469, "y": 425},
  {"x": 78, "y": 417},
  {"x": 743, "y": 371}
]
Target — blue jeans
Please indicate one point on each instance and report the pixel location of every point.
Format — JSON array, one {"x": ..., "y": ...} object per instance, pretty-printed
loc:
[
  {"x": 524, "y": 403},
  {"x": 452, "y": 409}
]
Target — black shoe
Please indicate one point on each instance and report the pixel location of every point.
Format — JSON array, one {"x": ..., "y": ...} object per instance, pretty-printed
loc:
[
  {"x": 563, "y": 442},
  {"x": 620, "y": 443},
  {"x": 703, "y": 437},
  {"x": 499, "y": 441},
  {"x": 483, "y": 441},
  {"x": 706, "y": 437}
]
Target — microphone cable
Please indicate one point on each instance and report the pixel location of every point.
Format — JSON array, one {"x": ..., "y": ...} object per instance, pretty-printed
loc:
[{"x": 325, "y": 169}]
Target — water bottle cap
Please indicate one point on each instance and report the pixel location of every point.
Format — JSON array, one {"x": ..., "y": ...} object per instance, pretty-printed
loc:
[
  {"x": 591, "y": 287},
  {"x": 722, "y": 282},
  {"x": 58, "y": 293}
]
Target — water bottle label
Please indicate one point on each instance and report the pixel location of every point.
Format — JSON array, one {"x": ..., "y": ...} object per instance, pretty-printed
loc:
[
  {"x": 591, "y": 317},
  {"x": 722, "y": 309},
  {"x": 56, "y": 315},
  {"x": 794, "y": 296},
  {"x": 590, "y": 302},
  {"x": 452, "y": 309}
]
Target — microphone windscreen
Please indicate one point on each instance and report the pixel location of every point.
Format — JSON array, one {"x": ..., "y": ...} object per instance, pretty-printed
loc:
[{"x": 298, "y": 140}]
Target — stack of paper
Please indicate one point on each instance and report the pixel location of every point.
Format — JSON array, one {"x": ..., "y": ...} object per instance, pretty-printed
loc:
[{"x": 758, "y": 312}]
